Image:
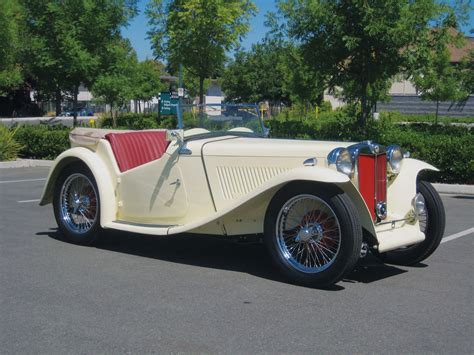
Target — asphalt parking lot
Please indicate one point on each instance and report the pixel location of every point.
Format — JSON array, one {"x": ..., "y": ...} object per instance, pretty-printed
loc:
[{"x": 143, "y": 294}]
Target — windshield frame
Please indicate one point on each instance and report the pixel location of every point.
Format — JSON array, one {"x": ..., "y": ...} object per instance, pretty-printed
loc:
[{"x": 181, "y": 106}]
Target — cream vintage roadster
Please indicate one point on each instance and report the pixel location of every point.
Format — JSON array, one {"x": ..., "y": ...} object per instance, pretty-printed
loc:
[{"x": 319, "y": 205}]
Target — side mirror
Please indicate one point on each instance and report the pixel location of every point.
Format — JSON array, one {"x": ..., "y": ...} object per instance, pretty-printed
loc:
[{"x": 176, "y": 135}]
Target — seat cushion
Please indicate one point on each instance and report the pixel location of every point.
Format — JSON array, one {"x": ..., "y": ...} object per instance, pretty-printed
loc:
[{"x": 132, "y": 149}]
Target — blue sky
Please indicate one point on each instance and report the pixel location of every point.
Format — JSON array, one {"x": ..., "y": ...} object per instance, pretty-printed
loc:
[{"x": 138, "y": 28}]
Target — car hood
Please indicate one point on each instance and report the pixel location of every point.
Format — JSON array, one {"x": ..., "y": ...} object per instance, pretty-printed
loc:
[{"x": 266, "y": 147}]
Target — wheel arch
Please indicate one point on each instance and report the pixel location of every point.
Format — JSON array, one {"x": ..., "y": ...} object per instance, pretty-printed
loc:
[{"x": 106, "y": 179}]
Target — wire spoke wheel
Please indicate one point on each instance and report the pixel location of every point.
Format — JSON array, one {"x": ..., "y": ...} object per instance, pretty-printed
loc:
[
  {"x": 308, "y": 234},
  {"x": 78, "y": 204}
]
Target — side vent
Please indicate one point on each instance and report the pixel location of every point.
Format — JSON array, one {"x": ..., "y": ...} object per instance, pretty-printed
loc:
[{"x": 239, "y": 181}]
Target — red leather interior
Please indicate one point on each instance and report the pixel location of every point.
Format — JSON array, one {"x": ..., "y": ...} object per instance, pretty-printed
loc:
[{"x": 132, "y": 149}]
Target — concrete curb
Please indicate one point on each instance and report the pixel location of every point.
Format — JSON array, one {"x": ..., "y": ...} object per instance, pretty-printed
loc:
[
  {"x": 454, "y": 189},
  {"x": 25, "y": 163}
]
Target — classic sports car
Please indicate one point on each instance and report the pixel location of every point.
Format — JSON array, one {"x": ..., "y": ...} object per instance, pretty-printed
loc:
[{"x": 319, "y": 205}]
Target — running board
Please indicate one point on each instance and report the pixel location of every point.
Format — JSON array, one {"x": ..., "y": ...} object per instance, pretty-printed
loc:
[{"x": 142, "y": 228}]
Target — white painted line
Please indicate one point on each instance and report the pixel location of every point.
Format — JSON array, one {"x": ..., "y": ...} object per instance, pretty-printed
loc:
[
  {"x": 27, "y": 201},
  {"x": 27, "y": 180},
  {"x": 457, "y": 235}
]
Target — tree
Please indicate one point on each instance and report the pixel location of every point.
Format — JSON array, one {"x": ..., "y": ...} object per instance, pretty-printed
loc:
[
  {"x": 117, "y": 85},
  {"x": 11, "y": 72},
  {"x": 258, "y": 74},
  {"x": 438, "y": 79},
  {"x": 198, "y": 33},
  {"x": 359, "y": 45},
  {"x": 67, "y": 41},
  {"x": 146, "y": 81}
]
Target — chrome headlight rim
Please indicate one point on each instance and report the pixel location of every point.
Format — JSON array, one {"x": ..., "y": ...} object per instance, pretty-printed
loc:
[
  {"x": 342, "y": 159},
  {"x": 395, "y": 157}
]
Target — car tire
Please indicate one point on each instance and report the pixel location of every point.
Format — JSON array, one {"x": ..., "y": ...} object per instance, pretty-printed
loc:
[
  {"x": 76, "y": 205},
  {"x": 313, "y": 233},
  {"x": 433, "y": 228}
]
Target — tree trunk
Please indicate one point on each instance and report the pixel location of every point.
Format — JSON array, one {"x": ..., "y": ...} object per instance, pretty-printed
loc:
[
  {"x": 437, "y": 110},
  {"x": 201, "y": 90},
  {"x": 58, "y": 101},
  {"x": 74, "y": 105},
  {"x": 320, "y": 99},
  {"x": 139, "y": 106}
]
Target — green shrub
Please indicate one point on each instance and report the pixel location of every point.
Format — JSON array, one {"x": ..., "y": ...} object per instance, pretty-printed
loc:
[
  {"x": 42, "y": 142},
  {"x": 9, "y": 147},
  {"x": 138, "y": 121},
  {"x": 449, "y": 148}
]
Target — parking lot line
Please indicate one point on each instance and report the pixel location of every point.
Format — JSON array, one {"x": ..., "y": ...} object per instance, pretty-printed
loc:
[
  {"x": 27, "y": 201},
  {"x": 457, "y": 235},
  {"x": 26, "y": 180}
]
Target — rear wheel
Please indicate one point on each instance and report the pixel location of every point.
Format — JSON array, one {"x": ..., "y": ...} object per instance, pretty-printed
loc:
[
  {"x": 432, "y": 223},
  {"x": 313, "y": 234},
  {"x": 77, "y": 205}
]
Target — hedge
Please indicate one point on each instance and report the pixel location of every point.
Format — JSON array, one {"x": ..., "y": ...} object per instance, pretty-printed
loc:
[
  {"x": 42, "y": 142},
  {"x": 449, "y": 148}
]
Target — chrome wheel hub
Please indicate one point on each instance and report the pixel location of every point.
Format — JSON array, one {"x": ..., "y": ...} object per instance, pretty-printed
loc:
[
  {"x": 78, "y": 203},
  {"x": 308, "y": 234}
]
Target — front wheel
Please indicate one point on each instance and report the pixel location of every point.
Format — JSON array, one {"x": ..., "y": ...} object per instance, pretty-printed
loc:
[
  {"x": 77, "y": 205},
  {"x": 313, "y": 234},
  {"x": 432, "y": 223}
]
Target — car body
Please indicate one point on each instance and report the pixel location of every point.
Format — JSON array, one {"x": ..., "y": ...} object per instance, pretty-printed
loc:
[{"x": 237, "y": 182}]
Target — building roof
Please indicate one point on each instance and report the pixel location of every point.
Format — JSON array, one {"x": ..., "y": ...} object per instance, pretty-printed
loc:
[{"x": 457, "y": 54}]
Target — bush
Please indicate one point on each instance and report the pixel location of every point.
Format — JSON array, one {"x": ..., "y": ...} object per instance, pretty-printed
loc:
[
  {"x": 9, "y": 147},
  {"x": 42, "y": 142},
  {"x": 449, "y": 148},
  {"x": 138, "y": 121}
]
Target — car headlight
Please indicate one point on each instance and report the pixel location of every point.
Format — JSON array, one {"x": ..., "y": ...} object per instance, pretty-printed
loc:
[
  {"x": 394, "y": 158},
  {"x": 342, "y": 159}
]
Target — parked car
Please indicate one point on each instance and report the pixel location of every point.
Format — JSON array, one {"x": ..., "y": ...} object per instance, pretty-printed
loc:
[{"x": 319, "y": 206}]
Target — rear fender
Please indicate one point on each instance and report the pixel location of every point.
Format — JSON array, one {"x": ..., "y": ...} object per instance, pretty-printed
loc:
[{"x": 104, "y": 170}]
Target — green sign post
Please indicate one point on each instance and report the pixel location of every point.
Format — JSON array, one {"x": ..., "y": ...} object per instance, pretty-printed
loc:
[{"x": 168, "y": 103}]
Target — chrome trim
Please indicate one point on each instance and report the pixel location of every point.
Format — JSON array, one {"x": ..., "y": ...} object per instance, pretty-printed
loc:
[
  {"x": 381, "y": 209},
  {"x": 310, "y": 162},
  {"x": 333, "y": 158},
  {"x": 390, "y": 150}
]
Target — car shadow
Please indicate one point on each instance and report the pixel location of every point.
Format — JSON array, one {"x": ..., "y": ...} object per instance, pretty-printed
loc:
[{"x": 223, "y": 254}]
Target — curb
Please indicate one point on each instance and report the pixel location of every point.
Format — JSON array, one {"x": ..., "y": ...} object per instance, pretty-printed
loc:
[
  {"x": 25, "y": 163},
  {"x": 454, "y": 189}
]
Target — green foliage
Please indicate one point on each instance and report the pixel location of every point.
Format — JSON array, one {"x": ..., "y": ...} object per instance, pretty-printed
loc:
[
  {"x": 9, "y": 147},
  {"x": 138, "y": 121},
  {"x": 359, "y": 45},
  {"x": 146, "y": 82},
  {"x": 449, "y": 148},
  {"x": 436, "y": 77},
  {"x": 66, "y": 41},
  {"x": 257, "y": 75},
  {"x": 11, "y": 72},
  {"x": 198, "y": 33},
  {"x": 116, "y": 86},
  {"x": 42, "y": 142}
]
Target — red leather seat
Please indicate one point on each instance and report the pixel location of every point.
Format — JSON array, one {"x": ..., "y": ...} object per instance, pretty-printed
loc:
[{"x": 132, "y": 149}]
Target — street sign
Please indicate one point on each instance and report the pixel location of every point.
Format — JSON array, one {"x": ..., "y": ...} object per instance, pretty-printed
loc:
[
  {"x": 181, "y": 92},
  {"x": 168, "y": 103}
]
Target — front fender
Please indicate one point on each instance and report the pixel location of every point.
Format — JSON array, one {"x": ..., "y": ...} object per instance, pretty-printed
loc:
[
  {"x": 402, "y": 190},
  {"x": 246, "y": 214},
  {"x": 105, "y": 178}
]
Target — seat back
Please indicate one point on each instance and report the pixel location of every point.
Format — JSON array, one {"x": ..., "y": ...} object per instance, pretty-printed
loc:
[{"x": 132, "y": 149}]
